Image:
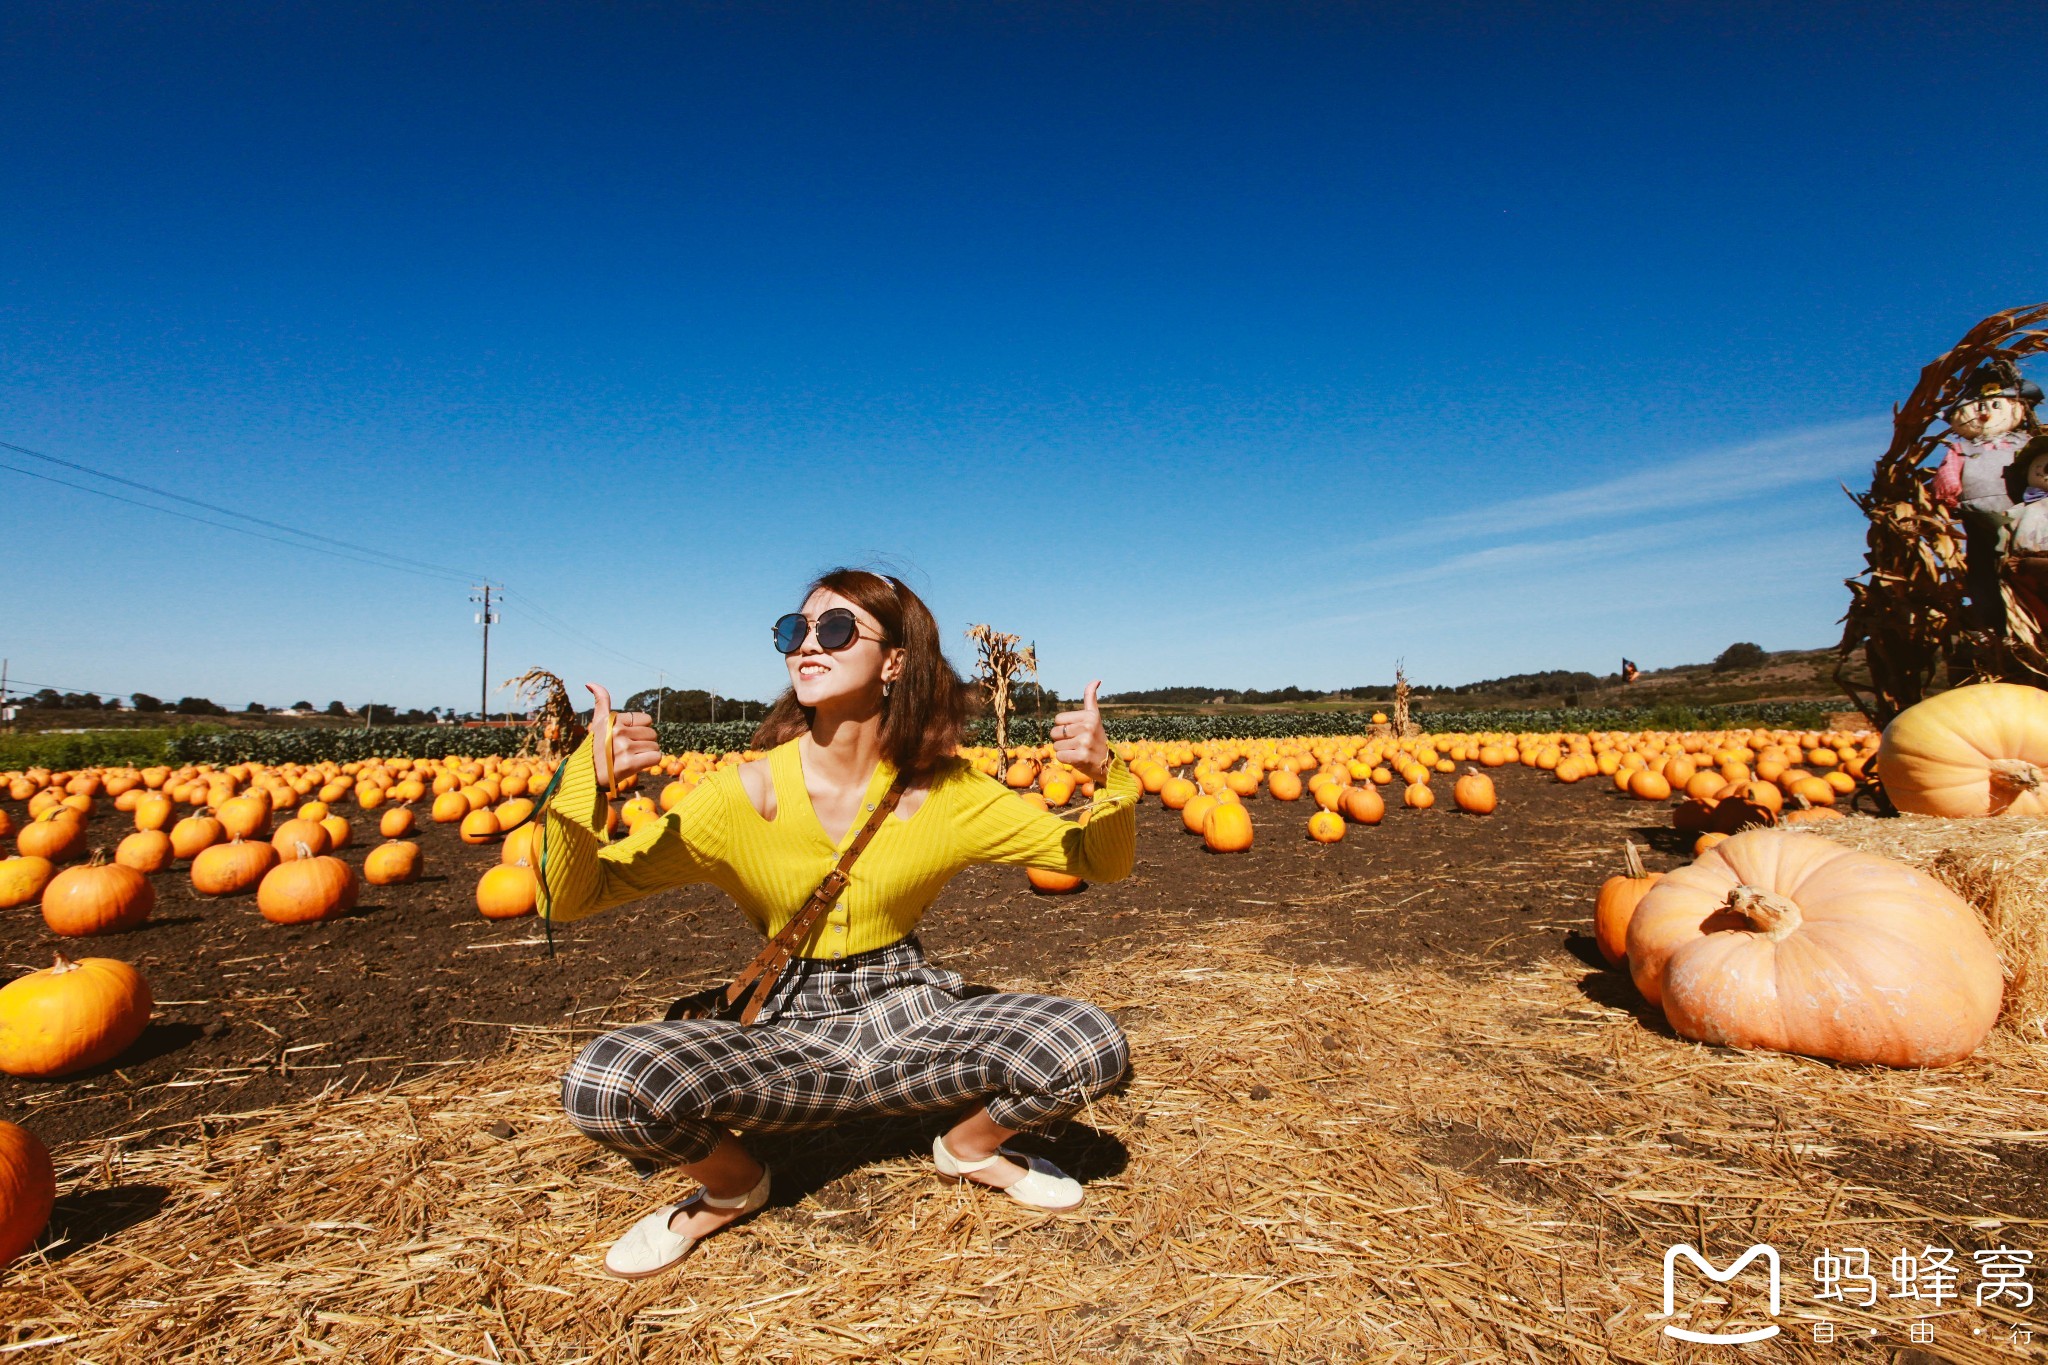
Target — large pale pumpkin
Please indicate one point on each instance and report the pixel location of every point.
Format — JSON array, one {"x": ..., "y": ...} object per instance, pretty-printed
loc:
[
  {"x": 1794, "y": 943},
  {"x": 28, "y": 1190},
  {"x": 1976, "y": 750}
]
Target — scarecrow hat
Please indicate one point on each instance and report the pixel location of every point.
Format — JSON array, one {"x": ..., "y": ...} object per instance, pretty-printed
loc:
[{"x": 1997, "y": 379}]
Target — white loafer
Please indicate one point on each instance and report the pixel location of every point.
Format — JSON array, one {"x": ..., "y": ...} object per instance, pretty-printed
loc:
[
  {"x": 651, "y": 1246},
  {"x": 1042, "y": 1186}
]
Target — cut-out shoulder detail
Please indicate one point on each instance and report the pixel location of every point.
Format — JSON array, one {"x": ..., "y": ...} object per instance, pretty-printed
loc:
[
  {"x": 911, "y": 802},
  {"x": 759, "y": 784}
]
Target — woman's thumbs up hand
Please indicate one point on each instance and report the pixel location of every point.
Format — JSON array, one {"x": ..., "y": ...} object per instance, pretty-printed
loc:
[
  {"x": 623, "y": 749},
  {"x": 1078, "y": 739}
]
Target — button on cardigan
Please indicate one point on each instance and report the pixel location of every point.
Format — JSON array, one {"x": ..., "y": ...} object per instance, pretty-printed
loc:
[{"x": 771, "y": 867}]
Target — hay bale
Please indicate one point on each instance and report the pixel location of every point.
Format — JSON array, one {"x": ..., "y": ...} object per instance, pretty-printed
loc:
[{"x": 1998, "y": 865}]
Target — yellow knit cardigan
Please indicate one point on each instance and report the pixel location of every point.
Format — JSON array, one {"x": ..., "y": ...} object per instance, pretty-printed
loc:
[{"x": 770, "y": 867}]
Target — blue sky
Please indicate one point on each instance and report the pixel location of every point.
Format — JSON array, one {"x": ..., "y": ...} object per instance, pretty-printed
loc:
[{"x": 1242, "y": 345}]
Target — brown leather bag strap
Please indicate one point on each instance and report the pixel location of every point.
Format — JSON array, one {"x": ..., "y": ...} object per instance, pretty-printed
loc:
[{"x": 762, "y": 972}]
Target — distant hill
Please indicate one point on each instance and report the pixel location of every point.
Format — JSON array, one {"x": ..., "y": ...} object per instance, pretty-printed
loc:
[{"x": 1786, "y": 675}]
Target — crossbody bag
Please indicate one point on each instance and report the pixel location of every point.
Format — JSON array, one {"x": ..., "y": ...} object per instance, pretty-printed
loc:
[{"x": 759, "y": 976}]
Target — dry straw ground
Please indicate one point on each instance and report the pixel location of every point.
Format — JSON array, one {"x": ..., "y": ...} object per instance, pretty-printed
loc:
[
  {"x": 1315, "y": 1164},
  {"x": 2001, "y": 867}
]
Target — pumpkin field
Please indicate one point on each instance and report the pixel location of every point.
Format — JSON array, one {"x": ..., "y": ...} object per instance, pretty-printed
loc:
[{"x": 1441, "y": 1041}]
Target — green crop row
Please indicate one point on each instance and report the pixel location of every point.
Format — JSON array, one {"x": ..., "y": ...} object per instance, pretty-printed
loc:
[
  {"x": 140, "y": 748},
  {"x": 89, "y": 749}
]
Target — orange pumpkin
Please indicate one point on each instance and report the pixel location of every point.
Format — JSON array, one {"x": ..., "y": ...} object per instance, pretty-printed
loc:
[
  {"x": 393, "y": 863},
  {"x": 481, "y": 826},
  {"x": 1794, "y": 943},
  {"x": 1175, "y": 793},
  {"x": 99, "y": 898},
  {"x": 296, "y": 834},
  {"x": 1227, "y": 828},
  {"x": 146, "y": 850},
  {"x": 1971, "y": 751},
  {"x": 1362, "y": 805},
  {"x": 506, "y": 891},
  {"x": 1474, "y": 793},
  {"x": 232, "y": 867},
  {"x": 1195, "y": 811},
  {"x": 70, "y": 1016},
  {"x": 195, "y": 833},
  {"x": 450, "y": 807},
  {"x": 1616, "y": 905},
  {"x": 22, "y": 880},
  {"x": 1645, "y": 785},
  {"x": 1326, "y": 827},
  {"x": 396, "y": 822},
  {"x": 153, "y": 810},
  {"x": 1283, "y": 785},
  {"x": 245, "y": 817},
  {"x": 522, "y": 845},
  {"x": 1052, "y": 883},
  {"x": 28, "y": 1190},
  {"x": 308, "y": 887},
  {"x": 57, "y": 834},
  {"x": 1418, "y": 796},
  {"x": 339, "y": 835}
]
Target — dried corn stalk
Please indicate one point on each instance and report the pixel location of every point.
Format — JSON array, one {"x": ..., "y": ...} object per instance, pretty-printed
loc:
[
  {"x": 554, "y": 730},
  {"x": 998, "y": 664},
  {"x": 1906, "y": 615}
]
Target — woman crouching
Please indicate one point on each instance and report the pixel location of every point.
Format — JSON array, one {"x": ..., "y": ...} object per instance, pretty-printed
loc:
[{"x": 857, "y": 1023}]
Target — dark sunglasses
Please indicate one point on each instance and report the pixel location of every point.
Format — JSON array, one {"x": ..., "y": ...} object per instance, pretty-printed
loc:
[{"x": 837, "y": 628}]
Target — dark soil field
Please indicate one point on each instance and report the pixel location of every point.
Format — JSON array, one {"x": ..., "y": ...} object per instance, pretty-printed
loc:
[
  {"x": 253, "y": 1014},
  {"x": 1387, "y": 1104}
]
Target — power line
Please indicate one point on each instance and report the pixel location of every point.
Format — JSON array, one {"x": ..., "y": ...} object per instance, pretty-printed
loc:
[
  {"x": 550, "y": 621},
  {"x": 209, "y": 521},
  {"x": 14, "y": 684},
  {"x": 344, "y": 549},
  {"x": 226, "y": 511}
]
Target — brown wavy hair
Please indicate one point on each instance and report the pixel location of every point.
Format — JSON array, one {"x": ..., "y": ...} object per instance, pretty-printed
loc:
[{"x": 925, "y": 713}]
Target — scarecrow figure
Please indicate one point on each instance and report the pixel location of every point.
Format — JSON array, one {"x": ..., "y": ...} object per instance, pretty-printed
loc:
[
  {"x": 1991, "y": 419},
  {"x": 2026, "y": 481},
  {"x": 2026, "y": 544}
]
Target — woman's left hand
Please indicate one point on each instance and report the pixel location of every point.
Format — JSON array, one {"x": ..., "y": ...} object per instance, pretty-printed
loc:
[{"x": 1078, "y": 739}]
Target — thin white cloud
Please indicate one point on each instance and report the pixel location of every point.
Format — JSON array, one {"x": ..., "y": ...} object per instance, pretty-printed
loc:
[
  {"x": 1708, "y": 479},
  {"x": 1718, "y": 479}
]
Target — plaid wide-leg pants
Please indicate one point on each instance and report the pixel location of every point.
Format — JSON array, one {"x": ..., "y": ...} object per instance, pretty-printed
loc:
[{"x": 877, "y": 1033}]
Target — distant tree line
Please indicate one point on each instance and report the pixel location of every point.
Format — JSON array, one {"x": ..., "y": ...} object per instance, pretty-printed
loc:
[
  {"x": 1555, "y": 682},
  {"x": 692, "y": 705},
  {"x": 142, "y": 703}
]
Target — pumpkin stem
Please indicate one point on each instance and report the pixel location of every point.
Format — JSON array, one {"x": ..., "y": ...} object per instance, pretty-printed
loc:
[
  {"x": 2015, "y": 773},
  {"x": 1774, "y": 914},
  {"x": 1632, "y": 860},
  {"x": 98, "y": 859},
  {"x": 63, "y": 964}
]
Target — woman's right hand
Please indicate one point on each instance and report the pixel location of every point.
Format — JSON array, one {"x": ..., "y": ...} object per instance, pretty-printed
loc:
[{"x": 633, "y": 747}]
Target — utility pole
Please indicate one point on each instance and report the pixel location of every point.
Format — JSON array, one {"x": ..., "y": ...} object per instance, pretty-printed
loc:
[
  {"x": 714, "y": 706},
  {"x": 485, "y": 618},
  {"x": 660, "y": 692}
]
